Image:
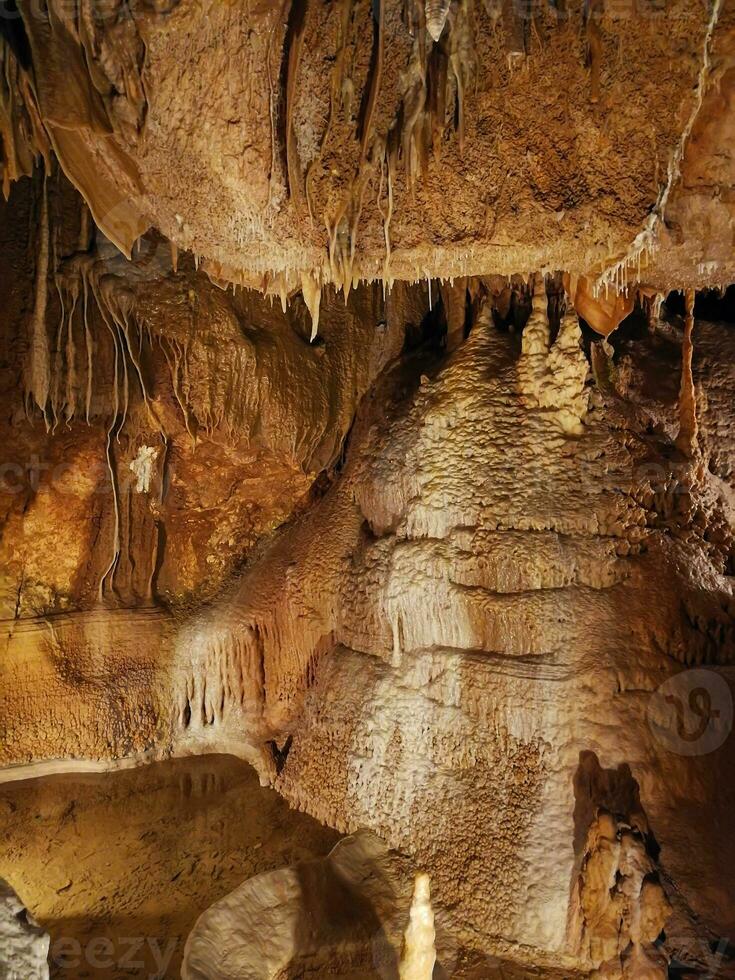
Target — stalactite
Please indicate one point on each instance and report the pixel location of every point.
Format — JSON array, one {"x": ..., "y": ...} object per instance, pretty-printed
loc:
[
  {"x": 687, "y": 440},
  {"x": 436, "y": 17},
  {"x": 38, "y": 380},
  {"x": 89, "y": 349},
  {"x": 414, "y": 101},
  {"x": 376, "y": 77},
  {"x": 113, "y": 431},
  {"x": 57, "y": 372},
  {"x": 462, "y": 60},
  {"x": 605, "y": 311},
  {"x": 23, "y": 137},
  {"x": 438, "y": 66},
  {"x": 295, "y": 37},
  {"x": 272, "y": 99},
  {"x": 71, "y": 373},
  {"x": 357, "y": 196},
  {"x": 593, "y": 12},
  {"x": 335, "y": 98},
  {"x": 339, "y": 249},
  {"x": 651, "y": 301},
  {"x": 515, "y": 32},
  {"x": 386, "y": 168},
  {"x": 83, "y": 241},
  {"x": 312, "y": 293}
]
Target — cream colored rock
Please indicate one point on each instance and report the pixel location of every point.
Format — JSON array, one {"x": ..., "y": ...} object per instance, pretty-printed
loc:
[
  {"x": 23, "y": 944},
  {"x": 553, "y": 376},
  {"x": 338, "y": 913},
  {"x": 419, "y": 952}
]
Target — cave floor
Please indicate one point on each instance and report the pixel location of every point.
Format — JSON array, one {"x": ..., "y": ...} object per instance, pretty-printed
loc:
[{"x": 118, "y": 866}]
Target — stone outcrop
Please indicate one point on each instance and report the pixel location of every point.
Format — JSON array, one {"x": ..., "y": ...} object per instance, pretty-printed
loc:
[
  {"x": 23, "y": 944},
  {"x": 339, "y": 913}
]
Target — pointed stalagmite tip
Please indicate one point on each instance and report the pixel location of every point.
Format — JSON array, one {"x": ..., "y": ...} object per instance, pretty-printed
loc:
[{"x": 419, "y": 950}]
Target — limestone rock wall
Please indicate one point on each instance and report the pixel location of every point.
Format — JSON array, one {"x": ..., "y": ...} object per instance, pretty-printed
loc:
[{"x": 494, "y": 596}]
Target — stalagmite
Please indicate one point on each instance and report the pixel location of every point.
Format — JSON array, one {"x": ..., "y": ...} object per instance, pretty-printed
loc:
[
  {"x": 686, "y": 439},
  {"x": 553, "y": 376},
  {"x": 419, "y": 951}
]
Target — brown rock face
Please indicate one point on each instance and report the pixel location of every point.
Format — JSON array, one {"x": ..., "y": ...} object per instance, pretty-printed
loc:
[
  {"x": 331, "y": 143},
  {"x": 304, "y": 462}
]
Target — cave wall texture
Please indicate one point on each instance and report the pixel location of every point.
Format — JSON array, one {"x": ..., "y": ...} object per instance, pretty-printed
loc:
[{"x": 347, "y": 427}]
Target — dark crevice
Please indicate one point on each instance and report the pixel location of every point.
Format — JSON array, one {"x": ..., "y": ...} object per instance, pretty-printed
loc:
[
  {"x": 13, "y": 30},
  {"x": 709, "y": 304},
  {"x": 294, "y": 29},
  {"x": 280, "y": 754}
]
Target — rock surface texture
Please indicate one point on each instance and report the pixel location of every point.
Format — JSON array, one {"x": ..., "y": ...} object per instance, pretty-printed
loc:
[
  {"x": 368, "y": 375},
  {"x": 341, "y": 913},
  {"x": 23, "y": 944}
]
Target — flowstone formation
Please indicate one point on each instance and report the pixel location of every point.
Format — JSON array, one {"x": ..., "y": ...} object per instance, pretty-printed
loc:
[{"x": 368, "y": 374}]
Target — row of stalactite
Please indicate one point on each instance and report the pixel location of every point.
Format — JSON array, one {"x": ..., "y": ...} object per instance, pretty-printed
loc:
[
  {"x": 441, "y": 69},
  {"x": 60, "y": 374}
]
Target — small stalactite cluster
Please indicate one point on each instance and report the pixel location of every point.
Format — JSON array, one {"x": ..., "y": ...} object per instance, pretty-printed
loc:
[
  {"x": 382, "y": 130},
  {"x": 229, "y": 679},
  {"x": 432, "y": 90},
  {"x": 98, "y": 341},
  {"x": 619, "y": 273},
  {"x": 22, "y": 135}
]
